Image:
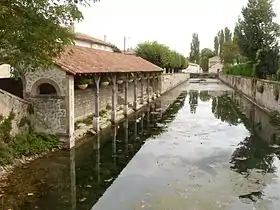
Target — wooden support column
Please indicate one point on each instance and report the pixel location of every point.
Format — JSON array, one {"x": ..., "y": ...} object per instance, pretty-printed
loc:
[
  {"x": 96, "y": 118},
  {"x": 159, "y": 84},
  {"x": 126, "y": 96},
  {"x": 148, "y": 88},
  {"x": 114, "y": 99},
  {"x": 153, "y": 86},
  {"x": 142, "y": 89},
  {"x": 135, "y": 94}
]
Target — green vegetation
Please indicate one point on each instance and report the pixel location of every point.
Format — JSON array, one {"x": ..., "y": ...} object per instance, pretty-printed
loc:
[
  {"x": 195, "y": 52},
  {"x": 22, "y": 144},
  {"x": 161, "y": 56},
  {"x": 243, "y": 69},
  {"x": 34, "y": 32},
  {"x": 204, "y": 58},
  {"x": 254, "y": 40}
]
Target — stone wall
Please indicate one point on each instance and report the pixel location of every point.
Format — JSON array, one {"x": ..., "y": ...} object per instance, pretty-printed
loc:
[
  {"x": 50, "y": 111},
  {"x": 10, "y": 103},
  {"x": 170, "y": 81},
  {"x": 85, "y": 99},
  {"x": 265, "y": 93}
]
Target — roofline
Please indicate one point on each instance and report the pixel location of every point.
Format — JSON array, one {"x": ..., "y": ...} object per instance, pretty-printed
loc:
[{"x": 95, "y": 42}]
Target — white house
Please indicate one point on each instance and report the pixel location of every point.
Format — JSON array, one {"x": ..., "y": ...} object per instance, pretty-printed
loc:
[
  {"x": 5, "y": 71},
  {"x": 85, "y": 40},
  {"x": 193, "y": 68}
]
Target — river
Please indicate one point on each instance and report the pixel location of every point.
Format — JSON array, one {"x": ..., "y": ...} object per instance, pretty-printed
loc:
[{"x": 200, "y": 146}]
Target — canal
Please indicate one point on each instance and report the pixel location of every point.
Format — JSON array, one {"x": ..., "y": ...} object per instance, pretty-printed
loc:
[{"x": 200, "y": 146}]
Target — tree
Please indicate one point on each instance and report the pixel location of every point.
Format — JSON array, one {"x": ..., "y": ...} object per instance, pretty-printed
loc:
[
  {"x": 34, "y": 32},
  {"x": 216, "y": 45},
  {"x": 230, "y": 52},
  {"x": 194, "y": 54},
  {"x": 257, "y": 32},
  {"x": 161, "y": 55},
  {"x": 221, "y": 36},
  {"x": 204, "y": 61},
  {"x": 228, "y": 35}
]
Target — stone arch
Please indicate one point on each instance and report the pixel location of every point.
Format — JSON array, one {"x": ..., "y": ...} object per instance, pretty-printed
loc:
[{"x": 45, "y": 86}]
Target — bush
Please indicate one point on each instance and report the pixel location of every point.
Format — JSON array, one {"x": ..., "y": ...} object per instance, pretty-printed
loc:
[
  {"x": 26, "y": 144},
  {"x": 5, "y": 154},
  {"x": 22, "y": 144},
  {"x": 243, "y": 69}
]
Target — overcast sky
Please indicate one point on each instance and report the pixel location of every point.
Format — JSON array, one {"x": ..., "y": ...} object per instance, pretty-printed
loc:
[{"x": 168, "y": 22}]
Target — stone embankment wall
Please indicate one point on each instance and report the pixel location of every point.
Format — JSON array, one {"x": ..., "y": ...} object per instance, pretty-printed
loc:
[
  {"x": 170, "y": 81},
  {"x": 265, "y": 93},
  {"x": 13, "y": 104}
]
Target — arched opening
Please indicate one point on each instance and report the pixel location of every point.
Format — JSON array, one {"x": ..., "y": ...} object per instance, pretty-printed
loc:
[{"x": 46, "y": 89}]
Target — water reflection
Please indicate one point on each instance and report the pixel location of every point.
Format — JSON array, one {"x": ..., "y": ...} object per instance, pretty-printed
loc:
[
  {"x": 204, "y": 96},
  {"x": 193, "y": 101},
  {"x": 77, "y": 179}
]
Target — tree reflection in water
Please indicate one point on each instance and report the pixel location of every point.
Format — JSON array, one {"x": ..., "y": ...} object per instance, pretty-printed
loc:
[
  {"x": 193, "y": 101},
  {"x": 253, "y": 152},
  {"x": 204, "y": 96},
  {"x": 224, "y": 109}
]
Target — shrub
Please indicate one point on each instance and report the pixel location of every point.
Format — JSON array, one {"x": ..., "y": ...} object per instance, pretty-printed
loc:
[
  {"x": 6, "y": 155},
  {"x": 26, "y": 144},
  {"x": 243, "y": 69}
]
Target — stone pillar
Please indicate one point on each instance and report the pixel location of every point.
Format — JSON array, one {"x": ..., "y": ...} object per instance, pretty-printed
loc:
[
  {"x": 73, "y": 180},
  {"x": 98, "y": 157},
  {"x": 114, "y": 141},
  {"x": 125, "y": 96},
  {"x": 135, "y": 94},
  {"x": 142, "y": 89},
  {"x": 126, "y": 134},
  {"x": 69, "y": 140},
  {"x": 96, "y": 118},
  {"x": 148, "y": 88},
  {"x": 114, "y": 99}
]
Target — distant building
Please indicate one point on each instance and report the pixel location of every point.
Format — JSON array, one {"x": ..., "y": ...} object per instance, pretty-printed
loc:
[
  {"x": 215, "y": 64},
  {"x": 5, "y": 71},
  {"x": 85, "y": 40},
  {"x": 193, "y": 68}
]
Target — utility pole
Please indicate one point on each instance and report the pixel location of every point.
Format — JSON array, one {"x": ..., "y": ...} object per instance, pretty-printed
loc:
[{"x": 124, "y": 43}]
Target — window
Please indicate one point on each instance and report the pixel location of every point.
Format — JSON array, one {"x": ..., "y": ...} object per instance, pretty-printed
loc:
[{"x": 46, "y": 89}]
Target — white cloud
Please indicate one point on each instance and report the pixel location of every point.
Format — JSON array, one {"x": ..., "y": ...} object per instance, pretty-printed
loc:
[{"x": 169, "y": 22}]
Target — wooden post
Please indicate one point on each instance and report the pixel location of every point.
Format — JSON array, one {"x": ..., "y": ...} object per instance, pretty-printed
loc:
[
  {"x": 125, "y": 96},
  {"x": 114, "y": 101},
  {"x": 153, "y": 86},
  {"x": 148, "y": 88},
  {"x": 142, "y": 89},
  {"x": 96, "y": 118},
  {"x": 160, "y": 84},
  {"x": 135, "y": 94}
]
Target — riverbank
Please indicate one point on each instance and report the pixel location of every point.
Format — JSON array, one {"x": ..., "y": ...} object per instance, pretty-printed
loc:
[
  {"x": 83, "y": 130},
  {"x": 63, "y": 179}
]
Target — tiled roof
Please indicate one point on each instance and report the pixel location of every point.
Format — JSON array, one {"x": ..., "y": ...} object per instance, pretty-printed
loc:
[
  {"x": 83, "y": 60},
  {"x": 85, "y": 37}
]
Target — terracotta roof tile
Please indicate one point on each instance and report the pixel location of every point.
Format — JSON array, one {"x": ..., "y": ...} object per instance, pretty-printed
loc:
[{"x": 83, "y": 60}]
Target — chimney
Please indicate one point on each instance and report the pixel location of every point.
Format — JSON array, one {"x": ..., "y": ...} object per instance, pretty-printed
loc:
[{"x": 105, "y": 38}]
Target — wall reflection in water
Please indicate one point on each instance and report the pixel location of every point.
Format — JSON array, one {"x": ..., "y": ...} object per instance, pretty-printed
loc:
[{"x": 77, "y": 179}]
